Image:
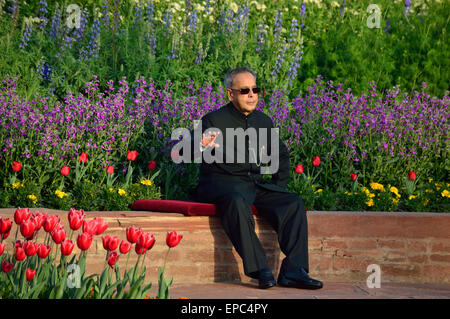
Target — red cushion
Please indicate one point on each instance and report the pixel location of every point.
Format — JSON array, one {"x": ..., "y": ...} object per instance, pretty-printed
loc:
[{"x": 178, "y": 206}]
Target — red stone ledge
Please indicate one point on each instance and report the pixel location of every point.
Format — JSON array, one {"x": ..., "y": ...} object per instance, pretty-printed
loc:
[{"x": 408, "y": 247}]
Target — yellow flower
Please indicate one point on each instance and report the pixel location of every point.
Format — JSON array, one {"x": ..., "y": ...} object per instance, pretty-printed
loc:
[
  {"x": 370, "y": 202},
  {"x": 438, "y": 186},
  {"x": 376, "y": 186},
  {"x": 371, "y": 195},
  {"x": 16, "y": 185},
  {"x": 234, "y": 7},
  {"x": 146, "y": 182},
  {"x": 430, "y": 180},
  {"x": 445, "y": 193},
  {"x": 428, "y": 191},
  {"x": 121, "y": 192},
  {"x": 394, "y": 190},
  {"x": 60, "y": 194},
  {"x": 320, "y": 190},
  {"x": 365, "y": 190},
  {"x": 111, "y": 190},
  {"x": 33, "y": 198},
  {"x": 411, "y": 197},
  {"x": 395, "y": 200},
  {"x": 425, "y": 201},
  {"x": 348, "y": 193}
]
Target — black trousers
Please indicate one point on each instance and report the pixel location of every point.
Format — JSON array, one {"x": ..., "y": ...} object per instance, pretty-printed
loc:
[{"x": 284, "y": 211}]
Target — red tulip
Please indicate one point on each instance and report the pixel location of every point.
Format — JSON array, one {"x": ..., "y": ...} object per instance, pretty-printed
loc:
[
  {"x": 27, "y": 229},
  {"x": 43, "y": 251},
  {"x": 16, "y": 166},
  {"x": 65, "y": 170},
  {"x": 139, "y": 249},
  {"x": 152, "y": 165},
  {"x": 2, "y": 248},
  {"x": 30, "y": 274},
  {"x": 412, "y": 175},
  {"x": 67, "y": 247},
  {"x": 76, "y": 218},
  {"x": 21, "y": 214},
  {"x": 50, "y": 223},
  {"x": 146, "y": 240},
  {"x": 132, "y": 155},
  {"x": 353, "y": 176},
  {"x": 113, "y": 243},
  {"x": 83, "y": 157},
  {"x": 113, "y": 257},
  {"x": 105, "y": 241},
  {"x": 124, "y": 247},
  {"x": 30, "y": 248},
  {"x": 58, "y": 235},
  {"x": 173, "y": 239},
  {"x": 19, "y": 254},
  {"x": 110, "y": 169},
  {"x": 6, "y": 266},
  {"x": 316, "y": 161},
  {"x": 19, "y": 244},
  {"x": 38, "y": 219},
  {"x": 133, "y": 234},
  {"x": 101, "y": 226},
  {"x": 5, "y": 225},
  {"x": 299, "y": 169},
  {"x": 90, "y": 226},
  {"x": 84, "y": 241},
  {"x": 5, "y": 235}
]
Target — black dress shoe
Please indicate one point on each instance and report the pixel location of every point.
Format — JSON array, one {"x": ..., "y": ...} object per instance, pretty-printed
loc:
[
  {"x": 298, "y": 279},
  {"x": 265, "y": 278}
]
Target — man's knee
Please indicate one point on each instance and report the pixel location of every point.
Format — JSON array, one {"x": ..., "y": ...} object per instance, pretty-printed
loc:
[{"x": 233, "y": 203}]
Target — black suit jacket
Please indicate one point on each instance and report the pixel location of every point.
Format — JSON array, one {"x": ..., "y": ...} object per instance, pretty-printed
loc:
[{"x": 217, "y": 179}]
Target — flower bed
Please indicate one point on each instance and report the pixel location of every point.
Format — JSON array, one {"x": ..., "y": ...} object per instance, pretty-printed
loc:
[{"x": 32, "y": 269}]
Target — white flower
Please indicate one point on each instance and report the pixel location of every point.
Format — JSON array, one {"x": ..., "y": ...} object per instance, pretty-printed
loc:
[{"x": 234, "y": 7}]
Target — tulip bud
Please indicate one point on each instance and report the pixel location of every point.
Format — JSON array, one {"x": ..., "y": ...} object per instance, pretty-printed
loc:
[
  {"x": 19, "y": 254},
  {"x": 173, "y": 239},
  {"x": 113, "y": 257},
  {"x": 83, "y": 157},
  {"x": 412, "y": 175},
  {"x": 84, "y": 241},
  {"x": 152, "y": 165},
  {"x": 299, "y": 169},
  {"x": 132, "y": 155},
  {"x": 353, "y": 176},
  {"x": 27, "y": 229},
  {"x": 16, "y": 166},
  {"x": 316, "y": 161},
  {"x": 110, "y": 169},
  {"x": 43, "y": 251},
  {"x": 2, "y": 248},
  {"x": 65, "y": 170},
  {"x": 133, "y": 234},
  {"x": 7, "y": 266},
  {"x": 21, "y": 214},
  {"x": 124, "y": 248},
  {"x": 30, "y": 274},
  {"x": 67, "y": 247},
  {"x": 30, "y": 248}
]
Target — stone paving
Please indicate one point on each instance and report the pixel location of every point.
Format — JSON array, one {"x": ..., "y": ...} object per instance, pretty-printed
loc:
[{"x": 331, "y": 290}]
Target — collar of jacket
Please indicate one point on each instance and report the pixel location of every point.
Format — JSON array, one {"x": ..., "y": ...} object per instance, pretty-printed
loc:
[{"x": 238, "y": 113}]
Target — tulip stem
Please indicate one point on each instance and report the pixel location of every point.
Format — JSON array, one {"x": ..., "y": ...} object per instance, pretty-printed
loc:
[
  {"x": 165, "y": 260},
  {"x": 126, "y": 265}
]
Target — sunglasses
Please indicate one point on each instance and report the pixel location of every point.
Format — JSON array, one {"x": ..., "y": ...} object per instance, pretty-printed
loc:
[{"x": 246, "y": 91}]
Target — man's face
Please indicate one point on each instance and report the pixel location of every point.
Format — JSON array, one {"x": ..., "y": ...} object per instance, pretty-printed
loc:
[{"x": 246, "y": 103}]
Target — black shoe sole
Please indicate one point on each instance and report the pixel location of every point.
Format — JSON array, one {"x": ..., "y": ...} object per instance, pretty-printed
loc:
[
  {"x": 295, "y": 284},
  {"x": 267, "y": 285}
]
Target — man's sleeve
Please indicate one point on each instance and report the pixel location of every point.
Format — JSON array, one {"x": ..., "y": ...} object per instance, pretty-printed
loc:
[{"x": 281, "y": 178}]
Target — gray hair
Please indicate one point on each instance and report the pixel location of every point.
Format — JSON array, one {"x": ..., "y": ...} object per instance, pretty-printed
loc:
[{"x": 231, "y": 75}]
